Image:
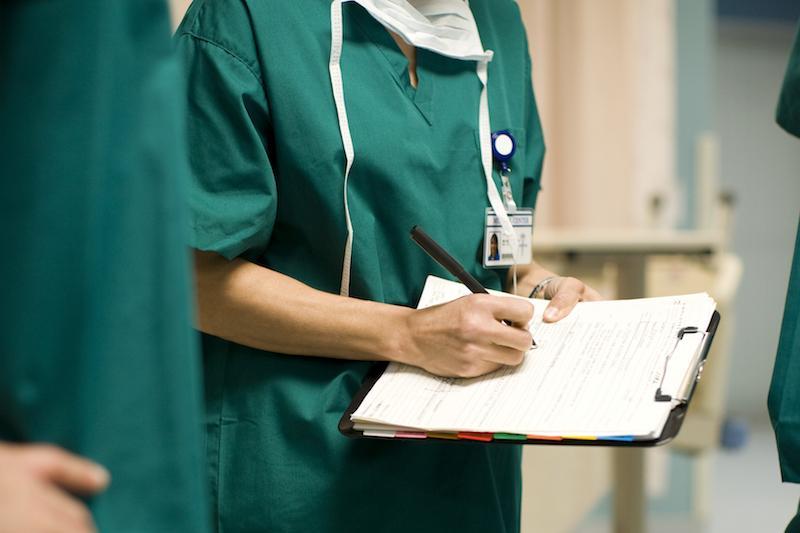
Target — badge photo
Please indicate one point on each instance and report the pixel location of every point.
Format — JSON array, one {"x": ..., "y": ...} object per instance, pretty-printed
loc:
[{"x": 497, "y": 250}]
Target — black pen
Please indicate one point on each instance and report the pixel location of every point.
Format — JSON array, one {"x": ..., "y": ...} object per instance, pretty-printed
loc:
[{"x": 450, "y": 264}]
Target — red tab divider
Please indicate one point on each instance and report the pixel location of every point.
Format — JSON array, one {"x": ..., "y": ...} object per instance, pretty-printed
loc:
[{"x": 482, "y": 437}]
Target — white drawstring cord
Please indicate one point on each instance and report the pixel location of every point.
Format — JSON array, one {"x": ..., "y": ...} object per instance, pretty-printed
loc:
[{"x": 334, "y": 67}]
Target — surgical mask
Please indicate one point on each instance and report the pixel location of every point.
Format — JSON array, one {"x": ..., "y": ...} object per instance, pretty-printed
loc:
[{"x": 446, "y": 27}]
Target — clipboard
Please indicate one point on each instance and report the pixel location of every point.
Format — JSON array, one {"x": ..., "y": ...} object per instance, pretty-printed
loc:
[{"x": 670, "y": 431}]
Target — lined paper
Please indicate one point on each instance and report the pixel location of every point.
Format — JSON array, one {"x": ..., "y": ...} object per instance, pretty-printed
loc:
[{"x": 594, "y": 373}]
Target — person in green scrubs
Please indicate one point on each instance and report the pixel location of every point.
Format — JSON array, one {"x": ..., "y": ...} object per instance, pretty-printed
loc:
[
  {"x": 97, "y": 353},
  {"x": 784, "y": 394},
  {"x": 284, "y": 351}
]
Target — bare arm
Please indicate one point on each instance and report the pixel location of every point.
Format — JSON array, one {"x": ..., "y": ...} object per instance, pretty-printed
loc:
[
  {"x": 261, "y": 308},
  {"x": 252, "y": 305}
]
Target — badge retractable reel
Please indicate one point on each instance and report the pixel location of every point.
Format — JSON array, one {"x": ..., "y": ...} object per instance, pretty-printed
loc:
[{"x": 503, "y": 147}]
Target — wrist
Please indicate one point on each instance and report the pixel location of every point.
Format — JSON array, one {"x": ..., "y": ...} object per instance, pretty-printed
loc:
[
  {"x": 531, "y": 278},
  {"x": 398, "y": 336},
  {"x": 540, "y": 289},
  {"x": 526, "y": 280}
]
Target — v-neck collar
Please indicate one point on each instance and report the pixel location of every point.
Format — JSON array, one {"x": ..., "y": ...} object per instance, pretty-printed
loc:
[{"x": 422, "y": 95}]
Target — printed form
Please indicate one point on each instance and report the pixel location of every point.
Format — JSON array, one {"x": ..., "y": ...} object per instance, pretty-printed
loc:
[{"x": 594, "y": 373}]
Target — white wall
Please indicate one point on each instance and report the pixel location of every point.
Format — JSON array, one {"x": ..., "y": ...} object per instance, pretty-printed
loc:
[{"x": 761, "y": 165}]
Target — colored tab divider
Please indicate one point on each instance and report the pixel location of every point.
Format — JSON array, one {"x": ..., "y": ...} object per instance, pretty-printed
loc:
[
  {"x": 481, "y": 437},
  {"x": 621, "y": 438},
  {"x": 442, "y": 435},
  {"x": 544, "y": 437},
  {"x": 486, "y": 437},
  {"x": 387, "y": 434},
  {"x": 510, "y": 436},
  {"x": 411, "y": 435}
]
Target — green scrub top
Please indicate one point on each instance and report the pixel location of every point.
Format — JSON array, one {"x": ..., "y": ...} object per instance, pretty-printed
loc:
[
  {"x": 268, "y": 170},
  {"x": 97, "y": 353}
]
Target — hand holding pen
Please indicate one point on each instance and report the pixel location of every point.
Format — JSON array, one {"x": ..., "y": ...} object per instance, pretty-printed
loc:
[{"x": 468, "y": 337}]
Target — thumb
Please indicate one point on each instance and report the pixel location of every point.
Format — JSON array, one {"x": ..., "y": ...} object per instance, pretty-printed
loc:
[{"x": 563, "y": 301}]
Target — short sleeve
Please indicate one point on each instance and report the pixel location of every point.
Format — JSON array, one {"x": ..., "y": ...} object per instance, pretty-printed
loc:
[
  {"x": 232, "y": 196},
  {"x": 534, "y": 142}
]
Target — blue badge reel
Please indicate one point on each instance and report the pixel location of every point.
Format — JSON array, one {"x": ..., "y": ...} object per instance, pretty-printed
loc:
[{"x": 504, "y": 146}]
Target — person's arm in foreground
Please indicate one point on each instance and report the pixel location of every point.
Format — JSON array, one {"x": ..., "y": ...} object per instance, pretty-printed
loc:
[
  {"x": 37, "y": 484},
  {"x": 252, "y": 305}
]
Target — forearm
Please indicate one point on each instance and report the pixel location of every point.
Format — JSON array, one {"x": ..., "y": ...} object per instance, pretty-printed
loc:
[{"x": 254, "y": 306}]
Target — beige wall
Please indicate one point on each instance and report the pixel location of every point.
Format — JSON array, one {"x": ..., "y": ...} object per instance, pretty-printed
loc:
[
  {"x": 178, "y": 8},
  {"x": 604, "y": 77}
]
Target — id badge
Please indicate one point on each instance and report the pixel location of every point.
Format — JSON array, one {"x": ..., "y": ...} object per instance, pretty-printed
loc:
[{"x": 497, "y": 250}]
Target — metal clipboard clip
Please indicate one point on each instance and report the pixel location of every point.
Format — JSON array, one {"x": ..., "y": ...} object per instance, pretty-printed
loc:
[{"x": 690, "y": 378}]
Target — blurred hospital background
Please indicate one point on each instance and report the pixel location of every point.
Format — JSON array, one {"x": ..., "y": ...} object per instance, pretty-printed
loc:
[{"x": 666, "y": 173}]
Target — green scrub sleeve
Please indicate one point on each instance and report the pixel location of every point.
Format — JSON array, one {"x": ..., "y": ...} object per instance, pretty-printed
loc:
[
  {"x": 232, "y": 196},
  {"x": 534, "y": 144}
]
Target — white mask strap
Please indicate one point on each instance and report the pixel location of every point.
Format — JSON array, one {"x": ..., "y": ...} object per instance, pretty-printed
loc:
[
  {"x": 484, "y": 131},
  {"x": 334, "y": 66}
]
